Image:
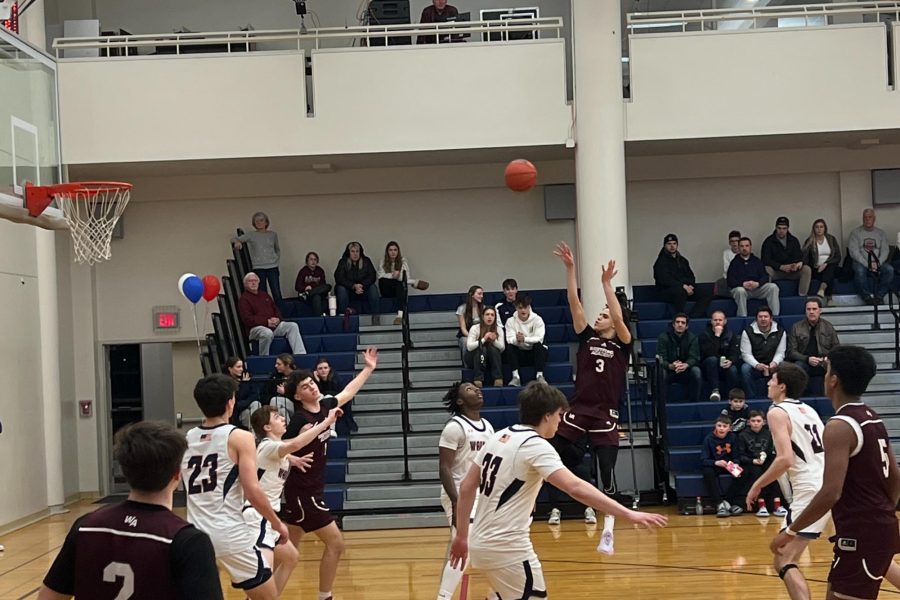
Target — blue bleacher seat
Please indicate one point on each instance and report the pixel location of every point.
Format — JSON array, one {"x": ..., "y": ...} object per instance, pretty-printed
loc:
[
  {"x": 339, "y": 342},
  {"x": 787, "y": 287},
  {"x": 445, "y": 302},
  {"x": 542, "y": 298},
  {"x": 336, "y": 469},
  {"x": 556, "y": 334},
  {"x": 336, "y": 324},
  {"x": 313, "y": 343},
  {"x": 652, "y": 310},
  {"x": 552, "y": 315},
  {"x": 334, "y": 497},
  {"x": 418, "y": 303},
  {"x": 310, "y": 325}
]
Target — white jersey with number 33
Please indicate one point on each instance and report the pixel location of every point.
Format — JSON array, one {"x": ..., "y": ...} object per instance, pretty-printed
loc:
[
  {"x": 806, "y": 441},
  {"x": 514, "y": 464}
]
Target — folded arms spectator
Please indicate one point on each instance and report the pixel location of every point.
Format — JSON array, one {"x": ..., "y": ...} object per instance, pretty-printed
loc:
[
  {"x": 678, "y": 352},
  {"x": 783, "y": 256},
  {"x": 354, "y": 277}
]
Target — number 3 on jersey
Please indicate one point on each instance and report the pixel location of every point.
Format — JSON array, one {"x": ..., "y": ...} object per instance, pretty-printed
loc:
[
  {"x": 489, "y": 468},
  {"x": 601, "y": 365}
]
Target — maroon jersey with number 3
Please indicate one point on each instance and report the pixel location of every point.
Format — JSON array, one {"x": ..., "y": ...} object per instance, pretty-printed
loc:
[
  {"x": 864, "y": 511},
  {"x": 601, "y": 371}
]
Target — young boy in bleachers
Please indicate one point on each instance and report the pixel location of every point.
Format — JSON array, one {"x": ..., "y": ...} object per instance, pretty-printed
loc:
[
  {"x": 720, "y": 448},
  {"x": 507, "y": 308},
  {"x": 756, "y": 455},
  {"x": 737, "y": 409}
]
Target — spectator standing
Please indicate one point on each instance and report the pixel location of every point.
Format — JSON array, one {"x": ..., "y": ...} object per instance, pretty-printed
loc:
[
  {"x": 783, "y": 256},
  {"x": 265, "y": 253},
  {"x": 720, "y": 351},
  {"x": 678, "y": 353},
  {"x": 262, "y": 319},
  {"x": 810, "y": 340},
  {"x": 311, "y": 284},
  {"x": 747, "y": 278},
  {"x": 329, "y": 384},
  {"x": 438, "y": 12},
  {"x": 507, "y": 307},
  {"x": 868, "y": 247},
  {"x": 485, "y": 345},
  {"x": 525, "y": 340},
  {"x": 675, "y": 281},
  {"x": 467, "y": 314},
  {"x": 822, "y": 253},
  {"x": 354, "y": 277},
  {"x": 734, "y": 239},
  {"x": 763, "y": 346},
  {"x": 757, "y": 454},
  {"x": 737, "y": 409},
  {"x": 719, "y": 448},
  {"x": 390, "y": 278}
]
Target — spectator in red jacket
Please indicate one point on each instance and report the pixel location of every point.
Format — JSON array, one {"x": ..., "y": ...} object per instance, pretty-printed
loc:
[
  {"x": 262, "y": 319},
  {"x": 311, "y": 284}
]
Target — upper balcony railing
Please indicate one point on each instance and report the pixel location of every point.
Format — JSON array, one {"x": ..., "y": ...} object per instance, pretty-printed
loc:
[
  {"x": 813, "y": 15},
  {"x": 318, "y": 38}
]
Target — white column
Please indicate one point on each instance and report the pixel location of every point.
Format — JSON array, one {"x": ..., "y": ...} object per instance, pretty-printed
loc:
[{"x": 601, "y": 227}]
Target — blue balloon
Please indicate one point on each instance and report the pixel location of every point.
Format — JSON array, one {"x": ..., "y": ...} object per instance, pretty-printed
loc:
[{"x": 192, "y": 288}]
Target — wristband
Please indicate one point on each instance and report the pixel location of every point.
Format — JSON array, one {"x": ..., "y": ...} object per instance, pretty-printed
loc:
[{"x": 790, "y": 532}]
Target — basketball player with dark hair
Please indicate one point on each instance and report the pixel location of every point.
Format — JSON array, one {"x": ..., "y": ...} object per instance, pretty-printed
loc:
[
  {"x": 797, "y": 434},
  {"x": 304, "y": 505},
  {"x": 506, "y": 477},
  {"x": 461, "y": 439},
  {"x": 219, "y": 472},
  {"x": 604, "y": 350},
  {"x": 861, "y": 484},
  {"x": 139, "y": 548}
]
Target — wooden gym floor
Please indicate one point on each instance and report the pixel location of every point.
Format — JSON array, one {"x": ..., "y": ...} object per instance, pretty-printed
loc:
[{"x": 694, "y": 558}]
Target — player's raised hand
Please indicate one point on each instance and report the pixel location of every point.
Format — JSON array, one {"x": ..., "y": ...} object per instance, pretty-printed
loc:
[
  {"x": 609, "y": 271},
  {"x": 564, "y": 253},
  {"x": 648, "y": 520},
  {"x": 371, "y": 357},
  {"x": 459, "y": 551}
]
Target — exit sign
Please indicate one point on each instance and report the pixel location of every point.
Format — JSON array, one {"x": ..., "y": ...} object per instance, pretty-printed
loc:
[{"x": 166, "y": 318}]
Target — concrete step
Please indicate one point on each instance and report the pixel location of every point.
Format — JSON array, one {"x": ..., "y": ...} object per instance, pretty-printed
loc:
[
  {"x": 395, "y": 465},
  {"x": 867, "y": 338},
  {"x": 416, "y": 356},
  {"x": 393, "y": 492},
  {"x": 398, "y": 521},
  {"x": 391, "y": 477},
  {"x": 364, "y": 443},
  {"x": 377, "y": 336},
  {"x": 393, "y": 452},
  {"x": 373, "y": 423},
  {"x": 418, "y": 375},
  {"x": 406, "y": 503}
]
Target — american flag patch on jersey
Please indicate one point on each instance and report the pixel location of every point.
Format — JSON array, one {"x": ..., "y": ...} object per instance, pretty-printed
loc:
[
  {"x": 205, "y": 437},
  {"x": 504, "y": 438}
]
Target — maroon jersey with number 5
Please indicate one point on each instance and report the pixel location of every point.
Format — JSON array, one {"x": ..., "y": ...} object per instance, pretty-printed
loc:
[
  {"x": 601, "y": 372},
  {"x": 865, "y": 511}
]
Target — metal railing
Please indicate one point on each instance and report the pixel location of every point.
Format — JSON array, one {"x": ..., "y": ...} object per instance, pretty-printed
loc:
[
  {"x": 895, "y": 311},
  {"x": 404, "y": 393},
  {"x": 704, "y": 20},
  {"x": 241, "y": 42}
]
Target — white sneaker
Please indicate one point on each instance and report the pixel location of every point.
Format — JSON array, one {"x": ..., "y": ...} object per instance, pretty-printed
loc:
[
  {"x": 762, "y": 512},
  {"x": 515, "y": 381},
  {"x": 590, "y": 517},
  {"x": 606, "y": 542},
  {"x": 540, "y": 378},
  {"x": 555, "y": 517},
  {"x": 780, "y": 511},
  {"x": 715, "y": 396}
]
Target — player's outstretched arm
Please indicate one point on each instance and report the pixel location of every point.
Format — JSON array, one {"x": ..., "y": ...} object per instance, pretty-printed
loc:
[
  {"x": 615, "y": 309},
  {"x": 459, "y": 548},
  {"x": 308, "y": 435},
  {"x": 579, "y": 322},
  {"x": 780, "y": 426},
  {"x": 241, "y": 446},
  {"x": 840, "y": 439},
  {"x": 587, "y": 494},
  {"x": 352, "y": 388}
]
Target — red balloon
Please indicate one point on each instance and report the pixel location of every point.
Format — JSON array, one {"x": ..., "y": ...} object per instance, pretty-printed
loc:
[{"x": 211, "y": 287}]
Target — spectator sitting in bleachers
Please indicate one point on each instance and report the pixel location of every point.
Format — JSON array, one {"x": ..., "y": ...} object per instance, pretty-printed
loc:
[
  {"x": 311, "y": 284},
  {"x": 721, "y": 288},
  {"x": 809, "y": 342},
  {"x": 757, "y": 453},
  {"x": 822, "y": 253},
  {"x": 467, "y": 314},
  {"x": 390, "y": 278},
  {"x": 525, "y": 340},
  {"x": 246, "y": 399},
  {"x": 747, "y": 278},
  {"x": 262, "y": 319},
  {"x": 719, "y": 448},
  {"x": 507, "y": 307},
  {"x": 783, "y": 256},
  {"x": 868, "y": 247},
  {"x": 737, "y": 409},
  {"x": 354, "y": 277},
  {"x": 329, "y": 385},
  {"x": 265, "y": 253},
  {"x": 284, "y": 366},
  {"x": 720, "y": 351},
  {"x": 485, "y": 345},
  {"x": 763, "y": 345},
  {"x": 675, "y": 281},
  {"x": 678, "y": 353}
]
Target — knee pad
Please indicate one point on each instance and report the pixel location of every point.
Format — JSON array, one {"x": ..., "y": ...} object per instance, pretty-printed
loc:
[
  {"x": 783, "y": 570},
  {"x": 569, "y": 452}
]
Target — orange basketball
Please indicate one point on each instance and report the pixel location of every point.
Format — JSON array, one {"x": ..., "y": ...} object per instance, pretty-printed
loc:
[{"x": 520, "y": 175}]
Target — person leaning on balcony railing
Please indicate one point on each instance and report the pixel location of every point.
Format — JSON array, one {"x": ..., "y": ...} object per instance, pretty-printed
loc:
[{"x": 438, "y": 12}]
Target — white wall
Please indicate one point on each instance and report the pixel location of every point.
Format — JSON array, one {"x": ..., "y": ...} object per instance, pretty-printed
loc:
[{"x": 757, "y": 82}]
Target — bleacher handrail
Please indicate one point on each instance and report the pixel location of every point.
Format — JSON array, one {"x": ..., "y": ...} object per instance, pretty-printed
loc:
[
  {"x": 895, "y": 311},
  {"x": 317, "y": 36},
  {"x": 757, "y": 16},
  {"x": 404, "y": 367}
]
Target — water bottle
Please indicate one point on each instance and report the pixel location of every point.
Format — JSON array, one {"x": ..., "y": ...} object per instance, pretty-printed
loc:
[
  {"x": 699, "y": 506},
  {"x": 332, "y": 305}
]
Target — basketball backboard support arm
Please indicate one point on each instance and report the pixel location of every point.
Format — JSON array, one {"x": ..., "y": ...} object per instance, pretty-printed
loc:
[{"x": 13, "y": 209}]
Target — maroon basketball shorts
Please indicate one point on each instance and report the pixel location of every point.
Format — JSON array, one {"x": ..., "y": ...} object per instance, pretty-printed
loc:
[
  {"x": 601, "y": 430},
  {"x": 858, "y": 569},
  {"x": 306, "y": 509}
]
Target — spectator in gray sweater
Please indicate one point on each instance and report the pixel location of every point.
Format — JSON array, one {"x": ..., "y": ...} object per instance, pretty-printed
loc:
[
  {"x": 869, "y": 250},
  {"x": 265, "y": 254}
]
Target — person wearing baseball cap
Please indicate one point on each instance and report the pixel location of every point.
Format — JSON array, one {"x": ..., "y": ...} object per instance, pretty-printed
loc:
[
  {"x": 675, "y": 281},
  {"x": 783, "y": 256}
]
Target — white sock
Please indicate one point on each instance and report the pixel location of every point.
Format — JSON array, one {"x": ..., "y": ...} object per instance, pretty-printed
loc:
[
  {"x": 539, "y": 374},
  {"x": 324, "y": 595},
  {"x": 400, "y": 313},
  {"x": 450, "y": 581},
  {"x": 515, "y": 373},
  {"x": 609, "y": 523}
]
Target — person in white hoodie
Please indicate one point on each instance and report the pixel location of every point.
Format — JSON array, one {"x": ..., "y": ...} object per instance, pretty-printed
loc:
[{"x": 525, "y": 340}]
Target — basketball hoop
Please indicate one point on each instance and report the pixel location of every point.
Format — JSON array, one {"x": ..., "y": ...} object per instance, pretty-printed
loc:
[{"x": 91, "y": 208}]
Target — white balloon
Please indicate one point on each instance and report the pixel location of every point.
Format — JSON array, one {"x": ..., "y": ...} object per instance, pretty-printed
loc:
[{"x": 181, "y": 283}]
